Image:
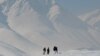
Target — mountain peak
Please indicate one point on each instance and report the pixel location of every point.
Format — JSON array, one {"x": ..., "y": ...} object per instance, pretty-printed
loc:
[{"x": 53, "y": 2}]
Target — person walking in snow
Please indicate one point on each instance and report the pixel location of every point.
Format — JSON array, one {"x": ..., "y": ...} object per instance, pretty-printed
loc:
[
  {"x": 44, "y": 51},
  {"x": 55, "y": 49},
  {"x": 48, "y": 51}
]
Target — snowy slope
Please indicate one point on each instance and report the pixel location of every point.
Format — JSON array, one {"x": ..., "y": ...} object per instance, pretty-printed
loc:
[
  {"x": 39, "y": 26},
  {"x": 30, "y": 25},
  {"x": 93, "y": 19},
  {"x": 73, "y": 31},
  {"x": 81, "y": 53},
  {"x": 11, "y": 37},
  {"x": 49, "y": 28},
  {"x": 9, "y": 50},
  {"x": 73, "y": 53}
]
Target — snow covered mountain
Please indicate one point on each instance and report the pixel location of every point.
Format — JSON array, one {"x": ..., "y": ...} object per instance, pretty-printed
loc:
[
  {"x": 93, "y": 19},
  {"x": 30, "y": 25}
]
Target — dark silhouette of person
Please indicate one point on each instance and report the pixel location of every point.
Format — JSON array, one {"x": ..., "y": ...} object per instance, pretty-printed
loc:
[
  {"x": 48, "y": 51},
  {"x": 44, "y": 51},
  {"x": 55, "y": 49}
]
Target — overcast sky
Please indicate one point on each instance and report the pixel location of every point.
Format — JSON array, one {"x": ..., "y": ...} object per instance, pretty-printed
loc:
[{"x": 80, "y": 6}]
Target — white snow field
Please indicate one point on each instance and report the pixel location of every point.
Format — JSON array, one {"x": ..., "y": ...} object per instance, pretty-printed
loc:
[
  {"x": 72, "y": 53},
  {"x": 26, "y": 26}
]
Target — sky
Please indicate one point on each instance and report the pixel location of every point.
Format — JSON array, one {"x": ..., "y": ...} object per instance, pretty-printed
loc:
[{"x": 80, "y": 6}]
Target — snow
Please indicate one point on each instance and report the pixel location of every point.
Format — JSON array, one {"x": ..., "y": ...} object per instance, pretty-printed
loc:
[
  {"x": 1, "y": 1},
  {"x": 81, "y": 53},
  {"x": 26, "y": 26},
  {"x": 73, "y": 53},
  {"x": 92, "y": 18}
]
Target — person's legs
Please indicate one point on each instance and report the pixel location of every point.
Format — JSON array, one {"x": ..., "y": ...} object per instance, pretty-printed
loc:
[
  {"x": 44, "y": 53},
  {"x": 48, "y": 52},
  {"x": 57, "y": 51}
]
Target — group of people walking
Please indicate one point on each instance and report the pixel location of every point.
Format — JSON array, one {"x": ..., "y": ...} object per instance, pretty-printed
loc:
[{"x": 47, "y": 50}]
